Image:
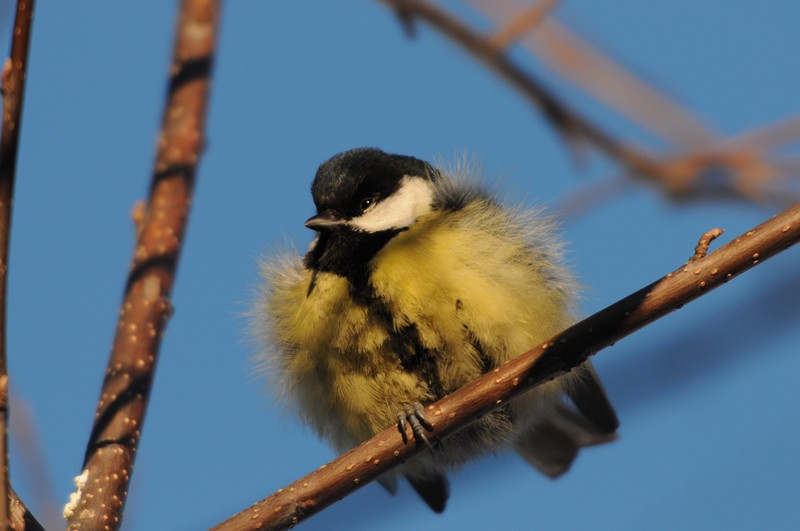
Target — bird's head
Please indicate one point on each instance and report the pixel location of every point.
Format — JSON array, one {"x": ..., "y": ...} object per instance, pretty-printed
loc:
[
  {"x": 367, "y": 190},
  {"x": 365, "y": 197}
]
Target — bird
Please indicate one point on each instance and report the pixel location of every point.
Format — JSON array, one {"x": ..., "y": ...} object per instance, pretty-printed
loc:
[{"x": 418, "y": 281}]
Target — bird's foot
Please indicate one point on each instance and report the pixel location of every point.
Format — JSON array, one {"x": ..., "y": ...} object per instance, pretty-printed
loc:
[{"x": 415, "y": 416}]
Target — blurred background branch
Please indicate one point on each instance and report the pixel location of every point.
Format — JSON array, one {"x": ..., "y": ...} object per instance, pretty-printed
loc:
[
  {"x": 694, "y": 164},
  {"x": 13, "y": 90}
]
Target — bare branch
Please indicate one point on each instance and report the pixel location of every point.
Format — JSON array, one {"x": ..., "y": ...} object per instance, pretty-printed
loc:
[
  {"x": 13, "y": 89},
  {"x": 746, "y": 168},
  {"x": 559, "y": 355},
  {"x": 604, "y": 79},
  {"x": 146, "y": 306},
  {"x": 570, "y": 124}
]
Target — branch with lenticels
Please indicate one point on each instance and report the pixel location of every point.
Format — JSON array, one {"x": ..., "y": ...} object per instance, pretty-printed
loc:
[
  {"x": 698, "y": 276},
  {"x": 102, "y": 487},
  {"x": 13, "y": 513}
]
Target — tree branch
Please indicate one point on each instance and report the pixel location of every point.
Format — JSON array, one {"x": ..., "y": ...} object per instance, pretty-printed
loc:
[
  {"x": 680, "y": 176},
  {"x": 525, "y": 22},
  {"x": 13, "y": 89},
  {"x": 21, "y": 517},
  {"x": 566, "y": 121},
  {"x": 146, "y": 306},
  {"x": 559, "y": 355}
]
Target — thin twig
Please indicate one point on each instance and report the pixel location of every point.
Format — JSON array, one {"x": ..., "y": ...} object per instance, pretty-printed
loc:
[
  {"x": 600, "y": 76},
  {"x": 520, "y": 25},
  {"x": 559, "y": 355},
  {"x": 681, "y": 176},
  {"x": 13, "y": 89},
  {"x": 770, "y": 137},
  {"x": 146, "y": 306},
  {"x": 568, "y": 122},
  {"x": 677, "y": 176},
  {"x": 590, "y": 195},
  {"x": 744, "y": 166},
  {"x": 701, "y": 250}
]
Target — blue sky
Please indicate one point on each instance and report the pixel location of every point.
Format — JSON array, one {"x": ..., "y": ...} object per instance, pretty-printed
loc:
[{"x": 707, "y": 396}]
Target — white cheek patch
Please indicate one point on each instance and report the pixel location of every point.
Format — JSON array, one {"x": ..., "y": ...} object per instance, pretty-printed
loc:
[{"x": 400, "y": 210}]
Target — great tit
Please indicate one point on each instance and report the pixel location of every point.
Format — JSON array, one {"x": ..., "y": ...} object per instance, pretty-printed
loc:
[{"x": 418, "y": 282}]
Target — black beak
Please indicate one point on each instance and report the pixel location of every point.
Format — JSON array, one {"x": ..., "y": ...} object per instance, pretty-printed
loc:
[{"x": 326, "y": 220}]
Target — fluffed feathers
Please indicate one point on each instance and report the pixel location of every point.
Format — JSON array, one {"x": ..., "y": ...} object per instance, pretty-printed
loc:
[{"x": 468, "y": 286}]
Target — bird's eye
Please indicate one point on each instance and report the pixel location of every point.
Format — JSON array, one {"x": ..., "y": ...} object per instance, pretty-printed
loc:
[{"x": 366, "y": 203}]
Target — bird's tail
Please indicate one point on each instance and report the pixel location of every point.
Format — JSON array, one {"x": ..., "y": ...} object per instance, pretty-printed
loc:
[{"x": 552, "y": 445}]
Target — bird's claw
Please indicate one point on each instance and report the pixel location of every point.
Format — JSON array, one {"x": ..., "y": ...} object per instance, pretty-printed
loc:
[{"x": 415, "y": 415}]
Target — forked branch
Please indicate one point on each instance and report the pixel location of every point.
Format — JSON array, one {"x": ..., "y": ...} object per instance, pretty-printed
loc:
[{"x": 748, "y": 166}]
